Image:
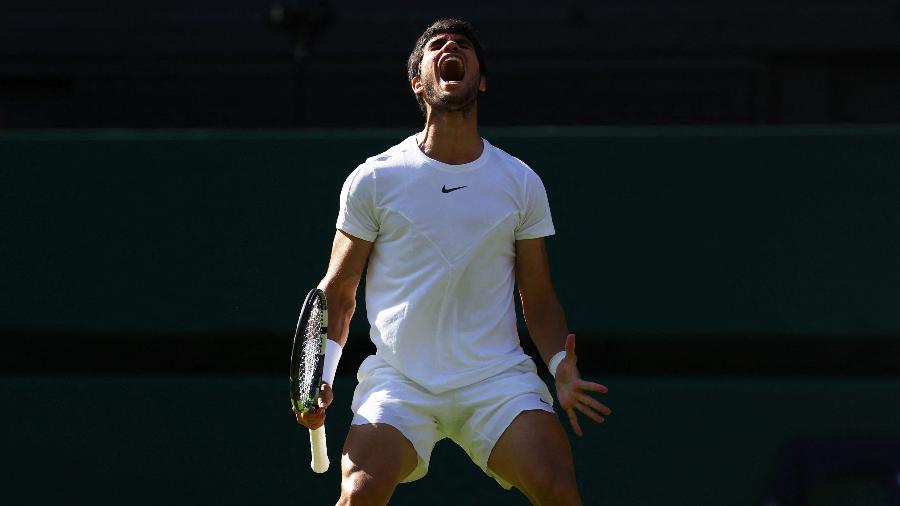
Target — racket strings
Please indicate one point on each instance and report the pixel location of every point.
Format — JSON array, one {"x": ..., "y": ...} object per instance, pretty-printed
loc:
[{"x": 311, "y": 350}]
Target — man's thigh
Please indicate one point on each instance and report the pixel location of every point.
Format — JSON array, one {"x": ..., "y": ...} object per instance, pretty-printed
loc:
[
  {"x": 391, "y": 410},
  {"x": 377, "y": 454},
  {"x": 532, "y": 449}
]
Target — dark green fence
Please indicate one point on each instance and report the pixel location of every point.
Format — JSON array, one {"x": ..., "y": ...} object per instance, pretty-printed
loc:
[
  {"x": 725, "y": 231},
  {"x": 661, "y": 232}
]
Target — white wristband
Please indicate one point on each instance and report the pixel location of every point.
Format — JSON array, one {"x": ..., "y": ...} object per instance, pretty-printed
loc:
[
  {"x": 332, "y": 356},
  {"x": 554, "y": 362}
]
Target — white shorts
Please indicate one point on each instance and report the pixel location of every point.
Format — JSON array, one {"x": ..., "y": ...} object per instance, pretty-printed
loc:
[{"x": 474, "y": 416}]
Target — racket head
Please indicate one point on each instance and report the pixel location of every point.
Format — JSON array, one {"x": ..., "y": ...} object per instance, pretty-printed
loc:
[{"x": 308, "y": 351}]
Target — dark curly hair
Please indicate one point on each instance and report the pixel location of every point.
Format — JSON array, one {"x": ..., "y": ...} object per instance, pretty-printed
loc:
[{"x": 455, "y": 26}]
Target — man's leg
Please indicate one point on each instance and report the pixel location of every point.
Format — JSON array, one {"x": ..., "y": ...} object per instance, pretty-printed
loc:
[
  {"x": 376, "y": 458},
  {"x": 534, "y": 455}
]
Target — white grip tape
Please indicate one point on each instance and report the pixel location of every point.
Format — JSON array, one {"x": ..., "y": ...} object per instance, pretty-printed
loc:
[
  {"x": 333, "y": 353},
  {"x": 319, "y": 450},
  {"x": 554, "y": 362}
]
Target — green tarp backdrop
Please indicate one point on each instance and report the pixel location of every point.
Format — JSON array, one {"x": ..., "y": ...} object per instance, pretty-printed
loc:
[{"x": 660, "y": 231}]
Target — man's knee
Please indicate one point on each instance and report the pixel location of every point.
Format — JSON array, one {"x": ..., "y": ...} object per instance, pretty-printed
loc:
[
  {"x": 376, "y": 458},
  {"x": 359, "y": 488},
  {"x": 555, "y": 488}
]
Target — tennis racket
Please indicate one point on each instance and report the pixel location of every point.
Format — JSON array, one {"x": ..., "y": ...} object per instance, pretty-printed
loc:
[{"x": 307, "y": 361}]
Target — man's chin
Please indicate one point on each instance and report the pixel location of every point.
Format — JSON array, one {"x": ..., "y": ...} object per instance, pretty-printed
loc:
[{"x": 453, "y": 103}]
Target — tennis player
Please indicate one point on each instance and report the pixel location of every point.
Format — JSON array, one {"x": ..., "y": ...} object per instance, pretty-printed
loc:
[{"x": 447, "y": 225}]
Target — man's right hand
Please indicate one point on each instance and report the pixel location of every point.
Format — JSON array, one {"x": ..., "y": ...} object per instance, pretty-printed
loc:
[{"x": 315, "y": 418}]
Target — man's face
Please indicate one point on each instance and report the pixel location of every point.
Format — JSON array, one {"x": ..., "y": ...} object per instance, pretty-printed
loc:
[{"x": 450, "y": 78}]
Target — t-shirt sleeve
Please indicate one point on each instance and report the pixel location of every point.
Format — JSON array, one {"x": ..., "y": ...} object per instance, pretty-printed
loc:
[
  {"x": 356, "y": 214},
  {"x": 535, "y": 220}
]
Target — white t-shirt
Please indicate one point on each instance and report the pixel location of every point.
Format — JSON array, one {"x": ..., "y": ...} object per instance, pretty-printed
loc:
[{"x": 440, "y": 280}]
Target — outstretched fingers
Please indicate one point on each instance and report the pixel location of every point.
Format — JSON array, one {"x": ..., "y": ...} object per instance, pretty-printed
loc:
[
  {"x": 573, "y": 420},
  {"x": 589, "y": 407},
  {"x": 574, "y": 393},
  {"x": 594, "y": 404},
  {"x": 594, "y": 387},
  {"x": 580, "y": 399},
  {"x": 589, "y": 412},
  {"x": 570, "y": 346}
]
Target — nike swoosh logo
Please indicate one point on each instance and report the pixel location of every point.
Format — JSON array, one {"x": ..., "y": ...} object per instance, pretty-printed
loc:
[{"x": 444, "y": 189}]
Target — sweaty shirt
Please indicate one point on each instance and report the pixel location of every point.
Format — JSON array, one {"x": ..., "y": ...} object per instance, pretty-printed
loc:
[{"x": 440, "y": 279}]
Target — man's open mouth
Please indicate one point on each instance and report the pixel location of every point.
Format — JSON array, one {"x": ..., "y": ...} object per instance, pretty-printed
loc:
[{"x": 452, "y": 68}]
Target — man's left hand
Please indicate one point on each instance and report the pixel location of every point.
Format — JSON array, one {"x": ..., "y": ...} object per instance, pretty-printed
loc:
[{"x": 573, "y": 392}]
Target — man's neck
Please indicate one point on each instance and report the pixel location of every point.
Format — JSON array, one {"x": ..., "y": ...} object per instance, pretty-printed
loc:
[{"x": 451, "y": 138}]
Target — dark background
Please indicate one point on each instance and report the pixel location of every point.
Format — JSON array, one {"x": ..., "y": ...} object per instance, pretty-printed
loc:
[
  {"x": 235, "y": 64},
  {"x": 724, "y": 181}
]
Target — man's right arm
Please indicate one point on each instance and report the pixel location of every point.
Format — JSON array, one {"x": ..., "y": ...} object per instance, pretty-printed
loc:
[{"x": 349, "y": 256}]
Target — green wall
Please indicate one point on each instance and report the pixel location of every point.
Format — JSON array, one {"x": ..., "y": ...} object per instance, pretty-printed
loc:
[{"x": 661, "y": 231}]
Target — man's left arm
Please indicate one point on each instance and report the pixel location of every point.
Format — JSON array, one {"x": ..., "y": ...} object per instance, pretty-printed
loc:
[{"x": 547, "y": 326}]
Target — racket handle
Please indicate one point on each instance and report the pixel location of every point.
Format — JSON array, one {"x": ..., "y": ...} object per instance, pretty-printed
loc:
[{"x": 319, "y": 450}]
